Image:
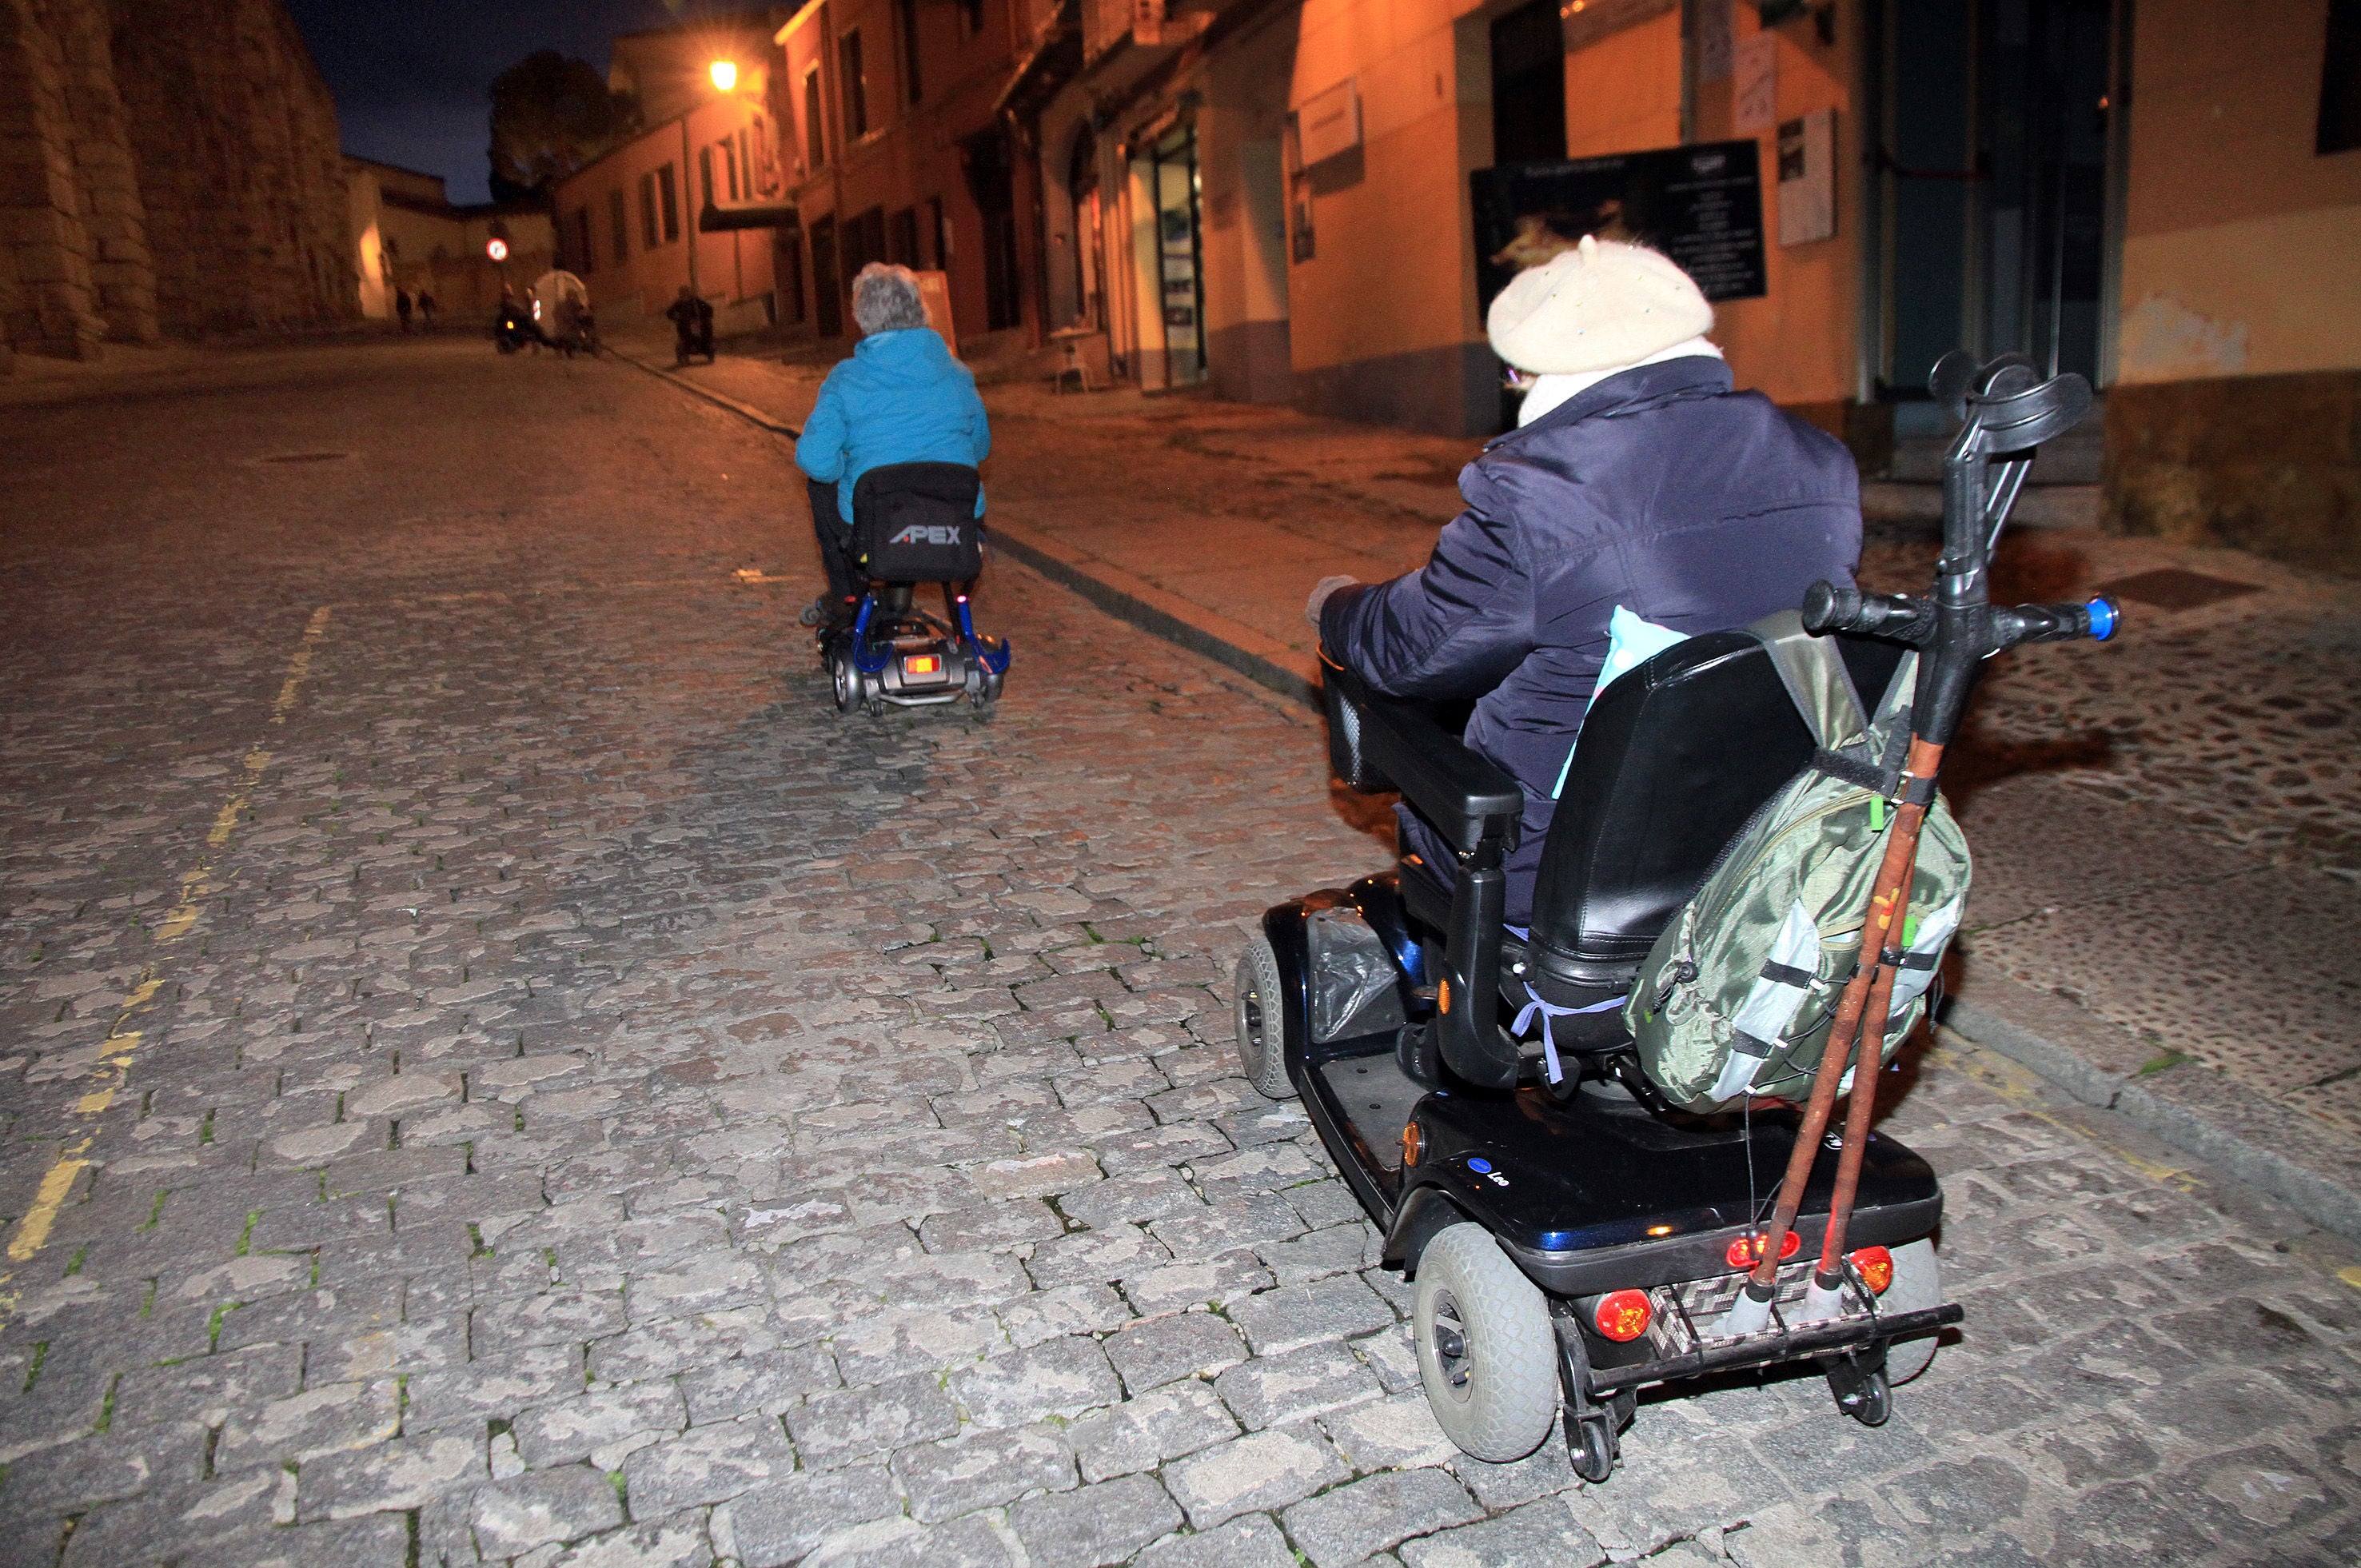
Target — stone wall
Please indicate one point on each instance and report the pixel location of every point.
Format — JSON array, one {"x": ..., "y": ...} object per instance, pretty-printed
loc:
[
  {"x": 2270, "y": 464},
  {"x": 166, "y": 166}
]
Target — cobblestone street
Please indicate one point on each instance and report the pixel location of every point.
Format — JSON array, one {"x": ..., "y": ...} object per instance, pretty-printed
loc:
[{"x": 493, "y": 1069}]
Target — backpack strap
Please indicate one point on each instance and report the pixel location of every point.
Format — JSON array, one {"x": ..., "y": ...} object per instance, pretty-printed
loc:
[{"x": 1816, "y": 682}]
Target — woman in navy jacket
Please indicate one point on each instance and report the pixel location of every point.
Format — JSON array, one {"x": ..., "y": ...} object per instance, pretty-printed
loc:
[{"x": 1636, "y": 477}]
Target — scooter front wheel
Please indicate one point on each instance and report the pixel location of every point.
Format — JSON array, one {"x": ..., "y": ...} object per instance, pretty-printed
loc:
[
  {"x": 1261, "y": 1017},
  {"x": 1486, "y": 1352}
]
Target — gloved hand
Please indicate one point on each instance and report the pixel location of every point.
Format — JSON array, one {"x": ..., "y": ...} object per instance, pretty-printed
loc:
[{"x": 1319, "y": 592}]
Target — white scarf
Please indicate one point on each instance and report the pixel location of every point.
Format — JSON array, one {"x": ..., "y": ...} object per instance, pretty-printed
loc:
[{"x": 1548, "y": 392}]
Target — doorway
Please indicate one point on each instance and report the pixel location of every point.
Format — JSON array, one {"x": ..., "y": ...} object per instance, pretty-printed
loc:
[
  {"x": 1992, "y": 171},
  {"x": 1173, "y": 185},
  {"x": 1529, "y": 86}
]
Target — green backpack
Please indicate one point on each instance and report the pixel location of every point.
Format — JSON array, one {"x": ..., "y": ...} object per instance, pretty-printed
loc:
[{"x": 1737, "y": 996}]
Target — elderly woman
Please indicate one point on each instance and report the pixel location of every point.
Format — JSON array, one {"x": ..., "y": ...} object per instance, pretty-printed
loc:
[{"x": 900, "y": 398}]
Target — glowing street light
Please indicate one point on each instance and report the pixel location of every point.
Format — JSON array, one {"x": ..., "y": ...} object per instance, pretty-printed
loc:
[{"x": 724, "y": 73}]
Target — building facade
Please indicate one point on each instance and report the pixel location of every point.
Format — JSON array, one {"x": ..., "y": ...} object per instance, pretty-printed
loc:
[
  {"x": 899, "y": 147},
  {"x": 2161, "y": 194},
  {"x": 166, "y": 167},
  {"x": 407, "y": 235}
]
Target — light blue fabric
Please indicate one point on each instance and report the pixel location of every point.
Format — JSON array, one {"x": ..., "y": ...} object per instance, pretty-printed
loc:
[
  {"x": 1631, "y": 642},
  {"x": 900, "y": 398}
]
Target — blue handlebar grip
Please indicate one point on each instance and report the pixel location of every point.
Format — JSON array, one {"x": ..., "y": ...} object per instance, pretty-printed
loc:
[{"x": 2103, "y": 615}]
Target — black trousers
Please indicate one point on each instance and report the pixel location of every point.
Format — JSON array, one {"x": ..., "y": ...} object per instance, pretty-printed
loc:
[{"x": 835, "y": 542}]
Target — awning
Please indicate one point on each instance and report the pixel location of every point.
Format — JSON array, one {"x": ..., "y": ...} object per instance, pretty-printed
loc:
[{"x": 721, "y": 220}]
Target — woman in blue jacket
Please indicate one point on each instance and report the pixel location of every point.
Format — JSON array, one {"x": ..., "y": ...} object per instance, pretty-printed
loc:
[{"x": 900, "y": 398}]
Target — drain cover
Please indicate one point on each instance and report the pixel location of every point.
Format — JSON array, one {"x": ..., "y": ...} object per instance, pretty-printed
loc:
[
  {"x": 307, "y": 457},
  {"x": 2170, "y": 587}
]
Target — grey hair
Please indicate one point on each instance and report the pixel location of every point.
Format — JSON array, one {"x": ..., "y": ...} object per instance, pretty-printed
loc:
[{"x": 885, "y": 299}]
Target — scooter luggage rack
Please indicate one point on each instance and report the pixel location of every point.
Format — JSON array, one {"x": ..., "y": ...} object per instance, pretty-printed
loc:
[{"x": 1696, "y": 1354}]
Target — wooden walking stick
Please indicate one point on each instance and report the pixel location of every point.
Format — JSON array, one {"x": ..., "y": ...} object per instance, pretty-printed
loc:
[{"x": 2007, "y": 411}]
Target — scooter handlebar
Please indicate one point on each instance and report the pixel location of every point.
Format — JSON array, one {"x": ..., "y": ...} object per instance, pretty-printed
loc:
[
  {"x": 1827, "y": 607},
  {"x": 2055, "y": 622}
]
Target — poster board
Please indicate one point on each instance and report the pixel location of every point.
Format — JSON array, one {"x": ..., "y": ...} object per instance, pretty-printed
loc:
[
  {"x": 935, "y": 293},
  {"x": 1701, "y": 205}
]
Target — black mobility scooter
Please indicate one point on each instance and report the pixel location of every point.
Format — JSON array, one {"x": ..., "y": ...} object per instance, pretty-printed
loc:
[
  {"x": 914, "y": 524},
  {"x": 1573, "y": 1238}
]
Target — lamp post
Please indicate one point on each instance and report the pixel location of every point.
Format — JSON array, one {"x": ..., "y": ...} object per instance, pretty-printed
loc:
[{"x": 723, "y": 75}]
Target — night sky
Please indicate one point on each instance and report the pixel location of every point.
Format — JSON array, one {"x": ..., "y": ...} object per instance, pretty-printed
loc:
[{"x": 414, "y": 81}]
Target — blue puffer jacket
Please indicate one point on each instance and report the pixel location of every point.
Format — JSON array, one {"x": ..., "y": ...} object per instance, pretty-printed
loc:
[
  {"x": 1659, "y": 490},
  {"x": 900, "y": 398}
]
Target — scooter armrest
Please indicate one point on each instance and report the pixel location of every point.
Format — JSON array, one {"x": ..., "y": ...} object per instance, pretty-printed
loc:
[{"x": 1377, "y": 741}]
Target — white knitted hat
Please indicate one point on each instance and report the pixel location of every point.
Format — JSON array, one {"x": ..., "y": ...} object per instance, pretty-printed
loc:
[{"x": 1597, "y": 306}]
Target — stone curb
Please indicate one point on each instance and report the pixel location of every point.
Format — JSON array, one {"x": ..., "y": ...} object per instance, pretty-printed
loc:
[
  {"x": 2186, "y": 1104},
  {"x": 746, "y": 411},
  {"x": 1260, "y": 659}
]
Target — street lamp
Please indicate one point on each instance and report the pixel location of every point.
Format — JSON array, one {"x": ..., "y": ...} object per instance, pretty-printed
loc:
[{"x": 723, "y": 73}]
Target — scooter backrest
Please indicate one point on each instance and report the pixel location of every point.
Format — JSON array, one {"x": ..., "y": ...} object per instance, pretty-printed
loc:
[
  {"x": 916, "y": 522},
  {"x": 1674, "y": 758}
]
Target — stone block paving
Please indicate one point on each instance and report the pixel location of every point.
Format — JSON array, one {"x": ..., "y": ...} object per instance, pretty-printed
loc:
[{"x": 607, "y": 1109}]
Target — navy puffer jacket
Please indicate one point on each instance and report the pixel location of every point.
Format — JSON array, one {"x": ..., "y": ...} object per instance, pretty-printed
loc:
[{"x": 1659, "y": 490}]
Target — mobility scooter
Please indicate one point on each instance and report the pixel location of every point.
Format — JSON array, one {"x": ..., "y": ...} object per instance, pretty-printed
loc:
[
  {"x": 1574, "y": 1236},
  {"x": 914, "y": 524}
]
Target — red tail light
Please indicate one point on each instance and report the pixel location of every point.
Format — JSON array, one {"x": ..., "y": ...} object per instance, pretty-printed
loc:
[
  {"x": 1622, "y": 1316},
  {"x": 1747, "y": 1250},
  {"x": 1876, "y": 1265},
  {"x": 924, "y": 664}
]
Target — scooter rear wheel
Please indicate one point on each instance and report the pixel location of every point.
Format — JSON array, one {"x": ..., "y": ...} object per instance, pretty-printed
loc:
[
  {"x": 1918, "y": 1285},
  {"x": 1486, "y": 1353},
  {"x": 845, "y": 679},
  {"x": 1262, "y": 1016}
]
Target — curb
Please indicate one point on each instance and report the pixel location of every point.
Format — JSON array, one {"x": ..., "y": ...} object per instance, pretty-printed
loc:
[
  {"x": 746, "y": 411},
  {"x": 1262, "y": 660},
  {"x": 2188, "y": 1106}
]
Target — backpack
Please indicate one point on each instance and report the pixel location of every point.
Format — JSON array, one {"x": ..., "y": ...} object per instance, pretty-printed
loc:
[
  {"x": 1737, "y": 994},
  {"x": 916, "y": 522}
]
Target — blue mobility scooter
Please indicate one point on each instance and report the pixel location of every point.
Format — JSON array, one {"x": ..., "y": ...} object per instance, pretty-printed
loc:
[
  {"x": 915, "y": 523},
  {"x": 1573, "y": 1238}
]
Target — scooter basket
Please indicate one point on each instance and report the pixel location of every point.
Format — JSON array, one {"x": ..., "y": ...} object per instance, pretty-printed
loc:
[{"x": 916, "y": 522}]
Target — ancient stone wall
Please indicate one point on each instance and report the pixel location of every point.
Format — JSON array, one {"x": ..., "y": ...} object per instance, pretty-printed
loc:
[{"x": 165, "y": 165}]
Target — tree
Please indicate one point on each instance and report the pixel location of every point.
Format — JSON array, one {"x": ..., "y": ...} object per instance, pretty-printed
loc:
[{"x": 552, "y": 115}]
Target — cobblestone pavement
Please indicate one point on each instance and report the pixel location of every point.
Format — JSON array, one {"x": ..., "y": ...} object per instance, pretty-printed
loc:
[{"x": 496, "y": 1070}]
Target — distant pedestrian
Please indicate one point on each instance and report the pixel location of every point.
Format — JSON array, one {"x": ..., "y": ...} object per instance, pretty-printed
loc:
[
  {"x": 402, "y": 307},
  {"x": 692, "y": 322},
  {"x": 425, "y": 310}
]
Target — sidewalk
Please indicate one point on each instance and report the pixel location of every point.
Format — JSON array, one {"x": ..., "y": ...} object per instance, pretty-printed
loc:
[{"x": 2167, "y": 826}]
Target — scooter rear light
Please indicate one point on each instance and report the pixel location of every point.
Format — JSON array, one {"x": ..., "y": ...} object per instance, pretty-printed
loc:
[
  {"x": 1622, "y": 1316},
  {"x": 1876, "y": 1266},
  {"x": 923, "y": 664},
  {"x": 1413, "y": 1142},
  {"x": 1746, "y": 1251}
]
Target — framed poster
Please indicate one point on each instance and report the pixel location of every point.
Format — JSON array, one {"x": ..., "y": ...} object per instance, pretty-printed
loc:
[{"x": 1701, "y": 205}]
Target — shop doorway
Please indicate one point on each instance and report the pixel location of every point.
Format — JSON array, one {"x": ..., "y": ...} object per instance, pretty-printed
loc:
[
  {"x": 1529, "y": 86},
  {"x": 1992, "y": 187},
  {"x": 1173, "y": 186},
  {"x": 827, "y": 300}
]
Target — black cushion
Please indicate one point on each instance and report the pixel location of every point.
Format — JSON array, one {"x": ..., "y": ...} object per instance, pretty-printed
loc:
[
  {"x": 916, "y": 522},
  {"x": 1674, "y": 758}
]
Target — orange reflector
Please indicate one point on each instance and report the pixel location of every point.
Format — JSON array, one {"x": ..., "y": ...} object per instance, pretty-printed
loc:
[
  {"x": 1443, "y": 997},
  {"x": 1876, "y": 1265},
  {"x": 1747, "y": 1250},
  {"x": 924, "y": 664},
  {"x": 1623, "y": 1316},
  {"x": 1413, "y": 1142}
]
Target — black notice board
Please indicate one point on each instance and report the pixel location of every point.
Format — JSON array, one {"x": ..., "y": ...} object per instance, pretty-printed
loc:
[{"x": 1701, "y": 205}]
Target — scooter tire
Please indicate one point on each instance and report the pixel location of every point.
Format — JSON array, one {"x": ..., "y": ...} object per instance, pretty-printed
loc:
[
  {"x": 1486, "y": 1352},
  {"x": 845, "y": 680},
  {"x": 1260, "y": 1009},
  {"x": 1918, "y": 1285}
]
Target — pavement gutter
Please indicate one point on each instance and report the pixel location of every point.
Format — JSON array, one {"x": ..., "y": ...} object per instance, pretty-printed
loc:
[{"x": 2188, "y": 1105}]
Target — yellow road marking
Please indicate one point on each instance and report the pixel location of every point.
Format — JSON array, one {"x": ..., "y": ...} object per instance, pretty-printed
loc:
[
  {"x": 2020, "y": 1087},
  {"x": 2351, "y": 1276},
  {"x": 122, "y": 1041}
]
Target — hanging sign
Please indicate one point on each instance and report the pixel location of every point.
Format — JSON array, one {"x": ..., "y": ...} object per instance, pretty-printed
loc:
[
  {"x": 1701, "y": 205},
  {"x": 1329, "y": 122}
]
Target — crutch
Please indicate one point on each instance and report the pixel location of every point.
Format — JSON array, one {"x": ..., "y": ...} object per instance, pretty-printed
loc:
[{"x": 2006, "y": 410}]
